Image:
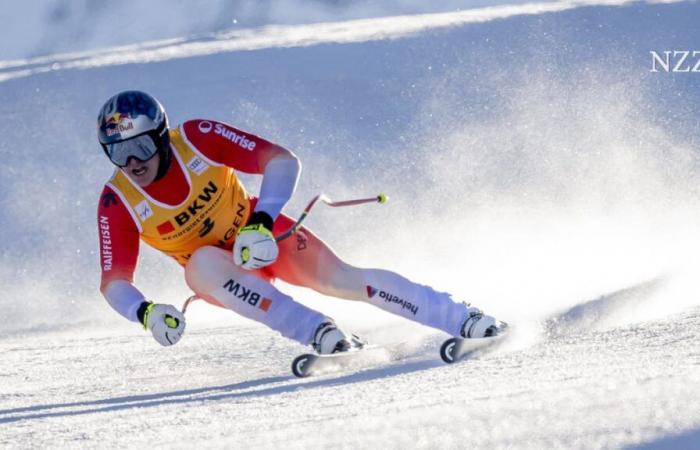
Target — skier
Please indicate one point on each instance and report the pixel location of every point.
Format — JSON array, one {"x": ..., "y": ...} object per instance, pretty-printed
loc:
[{"x": 176, "y": 189}]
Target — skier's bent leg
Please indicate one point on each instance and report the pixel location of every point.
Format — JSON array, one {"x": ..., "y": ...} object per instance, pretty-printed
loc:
[
  {"x": 309, "y": 262},
  {"x": 396, "y": 294},
  {"x": 212, "y": 275}
]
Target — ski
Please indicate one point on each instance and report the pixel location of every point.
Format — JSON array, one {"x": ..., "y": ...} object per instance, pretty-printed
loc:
[
  {"x": 312, "y": 364},
  {"x": 451, "y": 351},
  {"x": 457, "y": 348}
]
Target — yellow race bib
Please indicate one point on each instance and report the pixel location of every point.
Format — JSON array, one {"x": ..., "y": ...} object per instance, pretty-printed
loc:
[{"x": 217, "y": 205}]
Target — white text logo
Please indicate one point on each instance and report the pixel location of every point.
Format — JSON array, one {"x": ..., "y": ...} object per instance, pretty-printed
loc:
[
  {"x": 676, "y": 61},
  {"x": 240, "y": 139},
  {"x": 106, "y": 239}
]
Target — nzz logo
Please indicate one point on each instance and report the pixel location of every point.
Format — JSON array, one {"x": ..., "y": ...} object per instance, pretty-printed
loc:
[{"x": 676, "y": 61}]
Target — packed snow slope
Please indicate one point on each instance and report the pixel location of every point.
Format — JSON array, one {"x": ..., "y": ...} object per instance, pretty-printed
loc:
[
  {"x": 536, "y": 167},
  {"x": 52, "y": 26}
]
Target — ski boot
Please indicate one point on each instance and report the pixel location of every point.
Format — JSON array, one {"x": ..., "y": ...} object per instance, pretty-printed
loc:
[
  {"x": 475, "y": 328},
  {"x": 479, "y": 325},
  {"x": 329, "y": 339}
]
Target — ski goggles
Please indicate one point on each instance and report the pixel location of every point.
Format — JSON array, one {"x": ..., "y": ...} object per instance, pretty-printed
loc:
[{"x": 141, "y": 147}]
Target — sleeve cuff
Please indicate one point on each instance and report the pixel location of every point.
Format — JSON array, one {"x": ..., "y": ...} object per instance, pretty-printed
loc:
[{"x": 261, "y": 217}]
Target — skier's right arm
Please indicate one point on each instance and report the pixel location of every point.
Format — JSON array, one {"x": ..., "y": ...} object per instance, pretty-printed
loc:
[{"x": 119, "y": 250}]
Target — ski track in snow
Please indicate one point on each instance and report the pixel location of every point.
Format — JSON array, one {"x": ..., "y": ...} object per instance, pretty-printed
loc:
[{"x": 622, "y": 369}]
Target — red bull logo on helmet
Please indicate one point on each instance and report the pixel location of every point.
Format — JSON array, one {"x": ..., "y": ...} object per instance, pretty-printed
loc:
[{"x": 118, "y": 123}]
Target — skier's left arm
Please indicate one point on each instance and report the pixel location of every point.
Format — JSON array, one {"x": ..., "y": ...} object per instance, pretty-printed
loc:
[
  {"x": 251, "y": 154},
  {"x": 255, "y": 246}
]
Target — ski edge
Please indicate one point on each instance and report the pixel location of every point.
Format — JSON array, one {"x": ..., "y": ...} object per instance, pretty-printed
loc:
[{"x": 310, "y": 364}]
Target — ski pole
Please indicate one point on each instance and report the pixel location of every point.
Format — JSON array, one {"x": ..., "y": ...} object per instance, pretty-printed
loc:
[
  {"x": 188, "y": 301},
  {"x": 381, "y": 199}
]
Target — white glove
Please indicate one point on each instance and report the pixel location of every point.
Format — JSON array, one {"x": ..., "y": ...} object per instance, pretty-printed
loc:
[
  {"x": 165, "y": 322},
  {"x": 255, "y": 247}
]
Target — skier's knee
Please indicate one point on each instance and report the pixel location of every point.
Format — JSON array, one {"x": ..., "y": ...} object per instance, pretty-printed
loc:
[
  {"x": 340, "y": 279},
  {"x": 204, "y": 264}
]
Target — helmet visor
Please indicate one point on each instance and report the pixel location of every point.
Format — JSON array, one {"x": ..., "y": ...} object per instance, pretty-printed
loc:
[{"x": 140, "y": 147}]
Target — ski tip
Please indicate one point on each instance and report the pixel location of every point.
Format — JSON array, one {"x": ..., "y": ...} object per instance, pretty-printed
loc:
[
  {"x": 301, "y": 365},
  {"x": 447, "y": 350}
]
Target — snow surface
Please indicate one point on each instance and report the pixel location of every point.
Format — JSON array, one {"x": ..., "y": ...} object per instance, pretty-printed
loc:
[
  {"x": 52, "y": 26},
  {"x": 535, "y": 167}
]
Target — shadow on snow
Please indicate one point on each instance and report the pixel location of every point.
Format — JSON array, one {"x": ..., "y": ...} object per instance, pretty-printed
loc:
[{"x": 255, "y": 388}]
